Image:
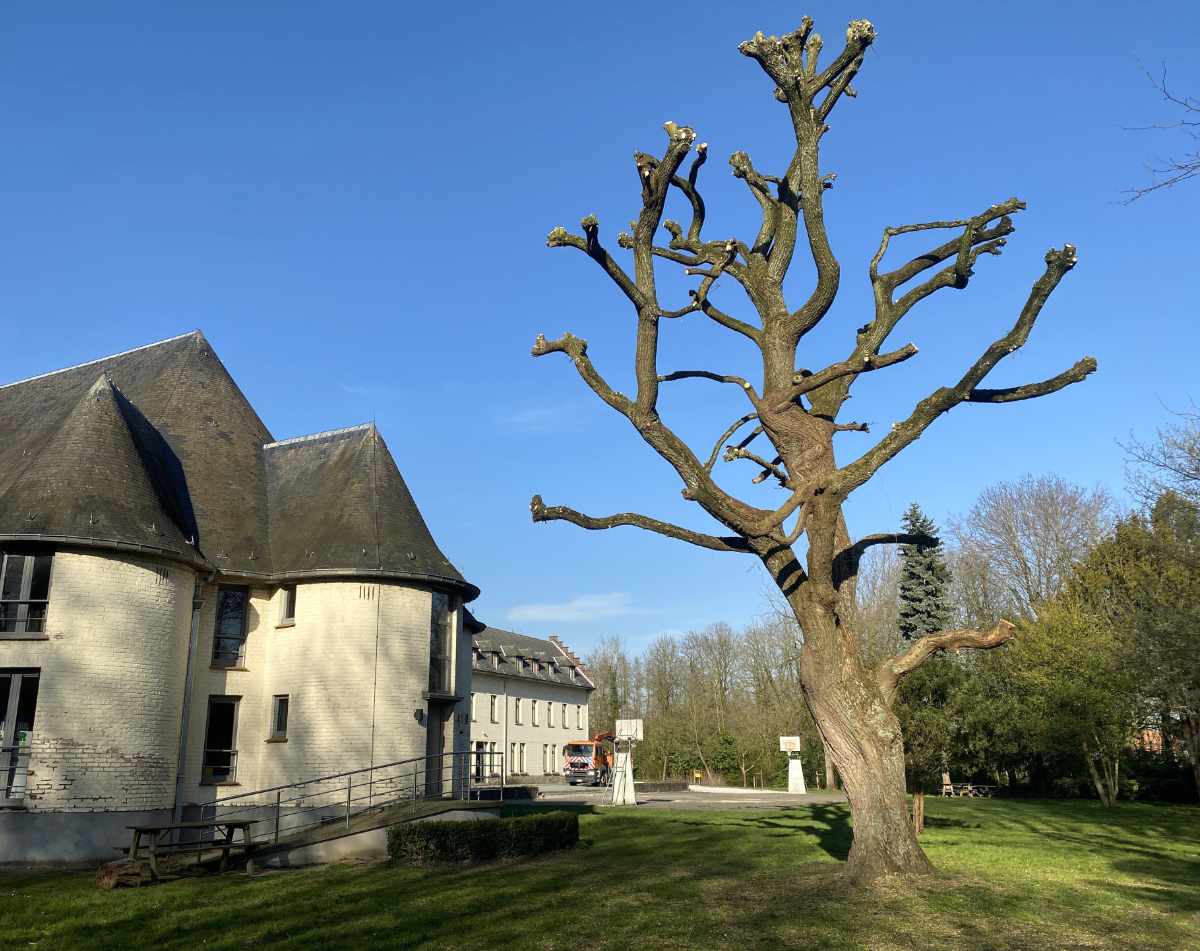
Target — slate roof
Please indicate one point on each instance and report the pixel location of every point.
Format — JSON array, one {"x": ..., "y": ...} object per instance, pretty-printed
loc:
[
  {"x": 157, "y": 449},
  {"x": 512, "y": 647}
]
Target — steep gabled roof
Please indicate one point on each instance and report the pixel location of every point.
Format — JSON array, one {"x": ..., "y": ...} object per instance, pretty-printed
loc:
[
  {"x": 510, "y": 646},
  {"x": 103, "y": 476},
  {"x": 339, "y": 504},
  {"x": 158, "y": 449},
  {"x": 188, "y": 396}
]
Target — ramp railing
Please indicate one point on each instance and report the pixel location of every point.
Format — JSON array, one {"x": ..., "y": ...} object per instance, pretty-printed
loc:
[{"x": 326, "y": 807}]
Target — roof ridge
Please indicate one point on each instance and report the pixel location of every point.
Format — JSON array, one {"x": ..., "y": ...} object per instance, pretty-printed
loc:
[
  {"x": 321, "y": 435},
  {"x": 111, "y": 356}
]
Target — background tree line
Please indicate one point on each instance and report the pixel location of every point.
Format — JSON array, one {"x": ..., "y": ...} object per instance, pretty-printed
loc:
[{"x": 1098, "y": 695}]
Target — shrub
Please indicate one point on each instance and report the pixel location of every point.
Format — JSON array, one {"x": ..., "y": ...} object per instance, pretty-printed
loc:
[{"x": 481, "y": 840}]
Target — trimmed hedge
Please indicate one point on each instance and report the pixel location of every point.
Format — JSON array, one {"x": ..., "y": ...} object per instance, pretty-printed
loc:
[{"x": 481, "y": 840}]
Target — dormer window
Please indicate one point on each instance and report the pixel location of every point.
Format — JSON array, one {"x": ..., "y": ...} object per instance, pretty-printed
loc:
[
  {"x": 574, "y": 674},
  {"x": 495, "y": 660}
]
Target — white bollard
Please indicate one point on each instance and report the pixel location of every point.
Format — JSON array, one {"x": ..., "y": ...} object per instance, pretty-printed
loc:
[{"x": 796, "y": 776}]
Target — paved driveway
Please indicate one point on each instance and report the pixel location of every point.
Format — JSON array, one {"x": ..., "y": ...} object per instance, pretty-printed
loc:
[{"x": 710, "y": 799}]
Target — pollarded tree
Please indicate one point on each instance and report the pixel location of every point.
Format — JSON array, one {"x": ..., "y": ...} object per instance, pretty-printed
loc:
[{"x": 795, "y": 412}]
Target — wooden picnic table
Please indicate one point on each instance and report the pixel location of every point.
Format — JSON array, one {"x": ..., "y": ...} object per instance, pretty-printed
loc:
[
  {"x": 977, "y": 790},
  {"x": 156, "y": 834}
]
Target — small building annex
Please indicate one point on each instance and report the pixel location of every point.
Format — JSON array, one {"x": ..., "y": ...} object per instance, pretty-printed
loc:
[
  {"x": 529, "y": 700},
  {"x": 187, "y": 603}
]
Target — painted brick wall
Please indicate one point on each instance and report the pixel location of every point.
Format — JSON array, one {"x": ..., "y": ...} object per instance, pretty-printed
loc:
[
  {"x": 507, "y": 731},
  {"x": 106, "y": 729},
  {"x": 351, "y": 693}
]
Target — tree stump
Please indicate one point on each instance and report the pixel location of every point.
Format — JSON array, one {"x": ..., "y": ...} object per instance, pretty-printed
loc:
[
  {"x": 918, "y": 812},
  {"x": 119, "y": 874}
]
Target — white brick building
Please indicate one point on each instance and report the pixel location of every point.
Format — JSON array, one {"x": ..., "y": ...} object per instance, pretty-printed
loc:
[
  {"x": 529, "y": 699},
  {"x": 187, "y": 604}
]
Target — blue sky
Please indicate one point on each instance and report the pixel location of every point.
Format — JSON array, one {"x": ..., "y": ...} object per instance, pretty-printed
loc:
[{"x": 351, "y": 200}]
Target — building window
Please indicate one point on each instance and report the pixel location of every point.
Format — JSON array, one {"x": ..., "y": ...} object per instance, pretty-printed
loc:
[
  {"x": 545, "y": 758},
  {"x": 472, "y": 707},
  {"x": 494, "y": 708},
  {"x": 219, "y": 766},
  {"x": 533, "y": 706},
  {"x": 578, "y": 717},
  {"x": 524, "y": 764},
  {"x": 495, "y": 660},
  {"x": 493, "y": 762},
  {"x": 554, "y": 758},
  {"x": 24, "y": 592},
  {"x": 229, "y": 638},
  {"x": 18, "y": 701},
  {"x": 279, "y": 717},
  {"x": 439, "y": 644},
  {"x": 574, "y": 674},
  {"x": 566, "y": 725},
  {"x": 517, "y": 710},
  {"x": 512, "y": 758},
  {"x": 287, "y": 604},
  {"x": 549, "y": 713}
]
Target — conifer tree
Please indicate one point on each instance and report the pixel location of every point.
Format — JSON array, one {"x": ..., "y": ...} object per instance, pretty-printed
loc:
[{"x": 924, "y": 579}]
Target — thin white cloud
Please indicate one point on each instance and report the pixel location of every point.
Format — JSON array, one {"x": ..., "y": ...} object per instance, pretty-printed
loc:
[
  {"x": 540, "y": 419},
  {"x": 586, "y": 607}
]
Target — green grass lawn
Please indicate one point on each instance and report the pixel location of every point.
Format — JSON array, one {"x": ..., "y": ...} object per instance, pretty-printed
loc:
[{"x": 1012, "y": 875}]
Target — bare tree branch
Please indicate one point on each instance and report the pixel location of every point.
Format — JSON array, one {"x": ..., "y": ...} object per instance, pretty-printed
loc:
[
  {"x": 1173, "y": 170},
  {"x": 923, "y": 648},
  {"x": 728, "y": 434},
  {"x": 549, "y": 513},
  {"x": 590, "y": 244},
  {"x": 807, "y": 382},
  {"x": 1058, "y": 263},
  {"x": 1030, "y": 391}
]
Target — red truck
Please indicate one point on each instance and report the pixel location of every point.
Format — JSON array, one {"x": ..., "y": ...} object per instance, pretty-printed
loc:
[{"x": 589, "y": 761}]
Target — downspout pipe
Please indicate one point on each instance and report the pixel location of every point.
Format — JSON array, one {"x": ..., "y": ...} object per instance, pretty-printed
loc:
[{"x": 188, "y": 685}]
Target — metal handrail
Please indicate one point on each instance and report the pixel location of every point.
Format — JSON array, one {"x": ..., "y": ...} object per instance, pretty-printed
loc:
[{"x": 411, "y": 780}]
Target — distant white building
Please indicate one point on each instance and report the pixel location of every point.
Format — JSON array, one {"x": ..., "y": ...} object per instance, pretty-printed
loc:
[{"x": 529, "y": 699}]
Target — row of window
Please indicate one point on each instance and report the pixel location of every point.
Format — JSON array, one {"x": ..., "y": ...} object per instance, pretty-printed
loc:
[
  {"x": 535, "y": 707},
  {"x": 519, "y": 764},
  {"x": 523, "y": 664}
]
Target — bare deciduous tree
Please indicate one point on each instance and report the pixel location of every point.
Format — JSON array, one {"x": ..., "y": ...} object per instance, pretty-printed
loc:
[
  {"x": 795, "y": 412},
  {"x": 1171, "y": 171},
  {"x": 1171, "y": 463},
  {"x": 1029, "y": 534}
]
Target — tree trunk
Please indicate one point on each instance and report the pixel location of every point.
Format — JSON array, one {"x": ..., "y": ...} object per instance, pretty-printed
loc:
[
  {"x": 918, "y": 812},
  {"x": 1107, "y": 796},
  {"x": 1190, "y": 727},
  {"x": 830, "y": 773},
  {"x": 862, "y": 736}
]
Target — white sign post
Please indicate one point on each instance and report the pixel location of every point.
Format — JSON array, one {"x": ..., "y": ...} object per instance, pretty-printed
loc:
[
  {"x": 627, "y": 732},
  {"x": 791, "y": 746}
]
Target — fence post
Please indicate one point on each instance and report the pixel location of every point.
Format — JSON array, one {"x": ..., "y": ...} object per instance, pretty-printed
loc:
[
  {"x": 349, "y": 787},
  {"x": 502, "y": 771},
  {"x": 278, "y": 793}
]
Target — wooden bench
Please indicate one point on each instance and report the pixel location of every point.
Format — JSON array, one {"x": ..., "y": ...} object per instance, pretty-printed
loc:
[{"x": 155, "y": 836}]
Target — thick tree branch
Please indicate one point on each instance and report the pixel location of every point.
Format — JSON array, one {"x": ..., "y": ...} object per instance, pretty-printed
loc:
[
  {"x": 846, "y": 562},
  {"x": 715, "y": 377},
  {"x": 549, "y": 513},
  {"x": 807, "y": 382},
  {"x": 590, "y": 245},
  {"x": 892, "y": 670},
  {"x": 1058, "y": 263},
  {"x": 1029, "y": 391},
  {"x": 768, "y": 468}
]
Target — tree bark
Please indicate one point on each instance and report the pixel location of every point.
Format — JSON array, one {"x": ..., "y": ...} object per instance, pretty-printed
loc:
[
  {"x": 862, "y": 736},
  {"x": 1190, "y": 727},
  {"x": 830, "y": 772},
  {"x": 918, "y": 812}
]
